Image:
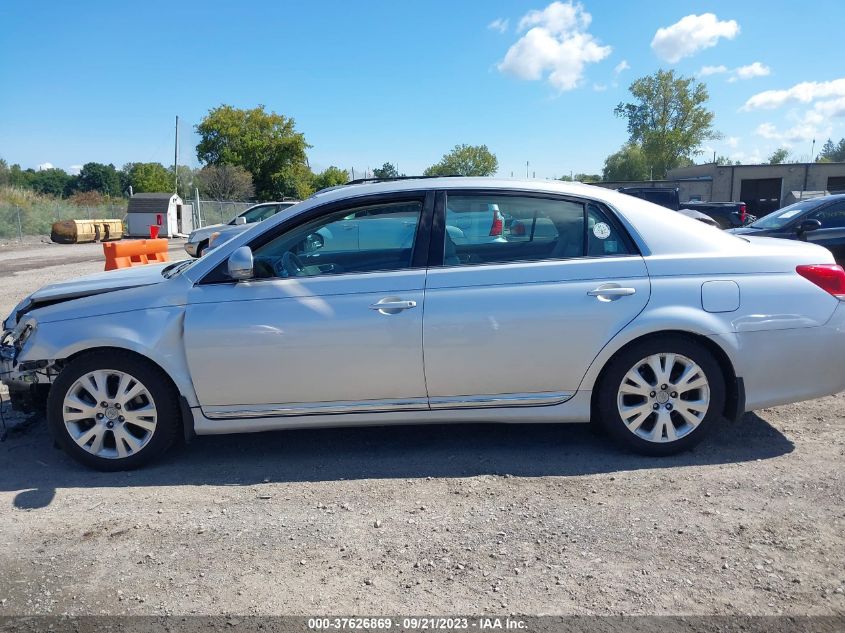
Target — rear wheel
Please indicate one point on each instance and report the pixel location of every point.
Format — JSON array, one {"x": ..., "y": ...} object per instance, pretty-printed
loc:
[
  {"x": 112, "y": 410},
  {"x": 661, "y": 396}
]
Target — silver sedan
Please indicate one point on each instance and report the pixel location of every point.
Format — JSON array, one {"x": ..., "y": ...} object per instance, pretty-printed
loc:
[{"x": 359, "y": 308}]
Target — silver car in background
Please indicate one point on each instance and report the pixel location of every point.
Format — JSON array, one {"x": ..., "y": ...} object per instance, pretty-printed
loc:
[
  {"x": 588, "y": 304},
  {"x": 215, "y": 234}
]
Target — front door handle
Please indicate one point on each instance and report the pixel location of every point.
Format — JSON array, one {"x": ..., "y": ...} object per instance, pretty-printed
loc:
[
  {"x": 611, "y": 292},
  {"x": 390, "y": 305}
]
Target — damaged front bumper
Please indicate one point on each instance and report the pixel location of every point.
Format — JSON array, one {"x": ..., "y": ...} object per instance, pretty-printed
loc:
[{"x": 27, "y": 389}]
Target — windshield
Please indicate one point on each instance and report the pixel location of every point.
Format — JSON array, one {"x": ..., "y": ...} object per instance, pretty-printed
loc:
[
  {"x": 782, "y": 217},
  {"x": 259, "y": 213}
]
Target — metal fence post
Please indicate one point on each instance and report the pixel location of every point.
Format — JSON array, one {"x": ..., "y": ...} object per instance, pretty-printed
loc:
[{"x": 20, "y": 226}]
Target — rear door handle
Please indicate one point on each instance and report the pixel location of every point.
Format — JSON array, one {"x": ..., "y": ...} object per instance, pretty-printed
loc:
[
  {"x": 393, "y": 306},
  {"x": 611, "y": 292}
]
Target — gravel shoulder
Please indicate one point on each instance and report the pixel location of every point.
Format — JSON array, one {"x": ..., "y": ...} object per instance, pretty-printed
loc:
[{"x": 535, "y": 519}]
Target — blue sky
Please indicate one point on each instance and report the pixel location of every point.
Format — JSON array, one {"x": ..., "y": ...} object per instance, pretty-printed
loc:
[{"x": 404, "y": 82}]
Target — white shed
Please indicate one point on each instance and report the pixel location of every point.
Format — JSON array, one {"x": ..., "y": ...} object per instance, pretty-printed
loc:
[{"x": 164, "y": 210}]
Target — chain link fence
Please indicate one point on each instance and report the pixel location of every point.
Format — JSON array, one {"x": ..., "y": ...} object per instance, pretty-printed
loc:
[
  {"x": 17, "y": 221},
  {"x": 219, "y": 211},
  {"x": 36, "y": 218}
]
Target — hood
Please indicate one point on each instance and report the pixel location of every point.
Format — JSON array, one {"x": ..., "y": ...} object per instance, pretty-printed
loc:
[
  {"x": 205, "y": 231},
  {"x": 87, "y": 286}
]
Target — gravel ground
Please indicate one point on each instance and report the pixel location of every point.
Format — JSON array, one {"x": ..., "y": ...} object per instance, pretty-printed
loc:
[{"x": 535, "y": 519}]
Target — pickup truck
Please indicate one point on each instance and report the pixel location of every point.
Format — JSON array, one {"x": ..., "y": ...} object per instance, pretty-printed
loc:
[{"x": 727, "y": 215}]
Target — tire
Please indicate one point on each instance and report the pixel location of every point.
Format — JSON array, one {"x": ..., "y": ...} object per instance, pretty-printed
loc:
[
  {"x": 140, "y": 420},
  {"x": 671, "y": 420}
]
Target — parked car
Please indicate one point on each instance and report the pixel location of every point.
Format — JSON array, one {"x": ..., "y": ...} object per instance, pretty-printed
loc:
[
  {"x": 817, "y": 221},
  {"x": 722, "y": 214},
  {"x": 200, "y": 239},
  {"x": 617, "y": 310}
]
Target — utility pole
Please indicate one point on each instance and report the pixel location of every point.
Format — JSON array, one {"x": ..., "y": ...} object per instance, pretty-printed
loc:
[
  {"x": 176, "y": 159},
  {"x": 813, "y": 151},
  {"x": 526, "y": 169}
]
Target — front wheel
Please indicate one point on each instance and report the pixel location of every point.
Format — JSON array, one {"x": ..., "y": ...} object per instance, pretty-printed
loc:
[
  {"x": 661, "y": 396},
  {"x": 112, "y": 410}
]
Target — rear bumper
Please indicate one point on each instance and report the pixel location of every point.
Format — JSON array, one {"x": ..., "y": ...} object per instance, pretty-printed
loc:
[{"x": 785, "y": 366}]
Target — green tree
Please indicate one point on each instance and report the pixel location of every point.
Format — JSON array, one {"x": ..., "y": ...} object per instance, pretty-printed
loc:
[
  {"x": 293, "y": 181},
  {"x": 629, "y": 163},
  {"x": 99, "y": 177},
  {"x": 723, "y": 161},
  {"x": 19, "y": 177},
  {"x": 331, "y": 177},
  {"x": 4, "y": 173},
  {"x": 668, "y": 119},
  {"x": 266, "y": 144},
  {"x": 582, "y": 177},
  {"x": 832, "y": 153},
  {"x": 778, "y": 157},
  {"x": 53, "y": 182},
  {"x": 388, "y": 170},
  {"x": 149, "y": 178},
  {"x": 225, "y": 182},
  {"x": 466, "y": 160},
  {"x": 186, "y": 186}
]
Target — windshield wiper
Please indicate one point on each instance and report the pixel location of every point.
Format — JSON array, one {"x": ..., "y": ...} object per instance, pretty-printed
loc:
[{"x": 174, "y": 269}]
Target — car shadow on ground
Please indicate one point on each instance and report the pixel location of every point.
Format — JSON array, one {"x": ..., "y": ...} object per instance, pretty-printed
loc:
[{"x": 32, "y": 467}]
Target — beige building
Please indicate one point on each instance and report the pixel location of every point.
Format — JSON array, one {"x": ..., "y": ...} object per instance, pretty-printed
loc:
[{"x": 763, "y": 188}]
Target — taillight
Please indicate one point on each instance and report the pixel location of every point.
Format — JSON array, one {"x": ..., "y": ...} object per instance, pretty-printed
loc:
[
  {"x": 743, "y": 213},
  {"x": 828, "y": 277},
  {"x": 498, "y": 226}
]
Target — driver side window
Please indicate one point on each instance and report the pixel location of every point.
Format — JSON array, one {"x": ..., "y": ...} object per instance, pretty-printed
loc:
[
  {"x": 365, "y": 239},
  {"x": 832, "y": 218}
]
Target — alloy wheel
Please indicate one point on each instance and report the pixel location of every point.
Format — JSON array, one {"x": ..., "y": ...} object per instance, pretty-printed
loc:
[
  {"x": 663, "y": 397},
  {"x": 109, "y": 413}
]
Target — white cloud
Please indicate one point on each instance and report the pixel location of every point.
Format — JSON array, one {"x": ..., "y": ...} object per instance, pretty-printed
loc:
[
  {"x": 805, "y": 92},
  {"x": 599, "y": 87},
  {"x": 556, "y": 45},
  {"x": 44, "y": 166},
  {"x": 732, "y": 141},
  {"x": 712, "y": 70},
  {"x": 752, "y": 70},
  {"x": 74, "y": 170},
  {"x": 810, "y": 126},
  {"x": 832, "y": 108},
  {"x": 499, "y": 24},
  {"x": 691, "y": 34},
  {"x": 621, "y": 66}
]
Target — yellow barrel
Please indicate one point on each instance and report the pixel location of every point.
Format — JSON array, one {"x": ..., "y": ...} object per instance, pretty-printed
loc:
[
  {"x": 75, "y": 231},
  {"x": 110, "y": 230}
]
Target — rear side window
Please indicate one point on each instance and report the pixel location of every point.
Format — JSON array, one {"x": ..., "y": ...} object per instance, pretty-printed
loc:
[{"x": 483, "y": 229}]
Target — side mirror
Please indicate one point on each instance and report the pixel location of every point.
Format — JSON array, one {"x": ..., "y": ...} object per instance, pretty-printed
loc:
[
  {"x": 240, "y": 264},
  {"x": 809, "y": 225},
  {"x": 240, "y": 220}
]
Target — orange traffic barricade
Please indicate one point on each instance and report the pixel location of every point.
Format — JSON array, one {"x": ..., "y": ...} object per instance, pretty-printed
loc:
[{"x": 134, "y": 253}]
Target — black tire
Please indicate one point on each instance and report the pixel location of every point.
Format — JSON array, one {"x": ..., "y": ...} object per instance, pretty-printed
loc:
[
  {"x": 622, "y": 363},
  {"x": 161, "y": 389}
]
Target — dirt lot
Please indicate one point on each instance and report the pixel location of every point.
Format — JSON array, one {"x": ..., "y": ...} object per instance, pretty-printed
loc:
[{"x": 444, "y": 520}]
